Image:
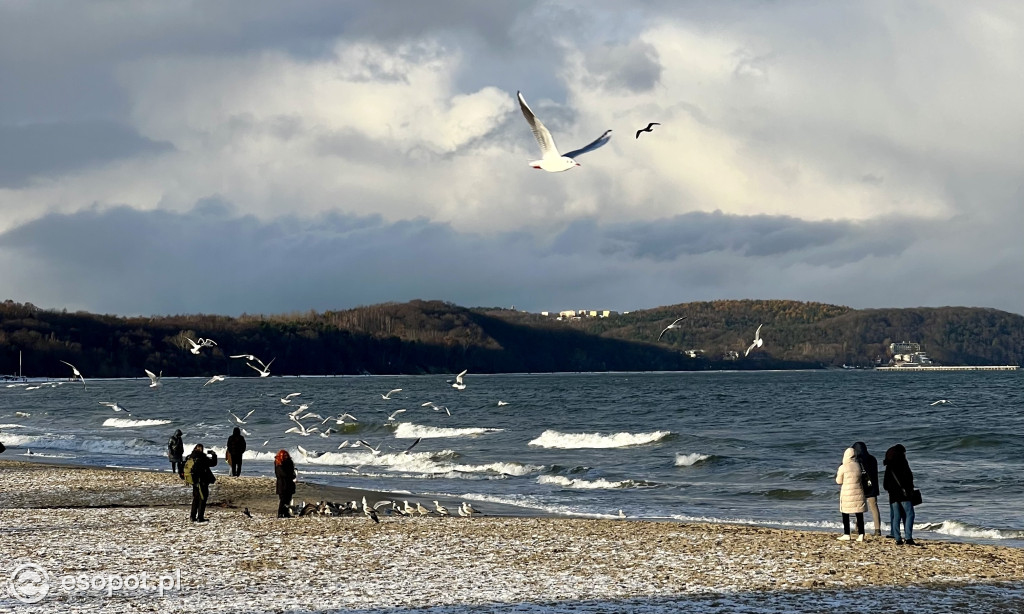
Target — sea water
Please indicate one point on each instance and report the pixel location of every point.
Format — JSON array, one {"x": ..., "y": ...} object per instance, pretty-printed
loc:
[{"x": 749, "y": 447}]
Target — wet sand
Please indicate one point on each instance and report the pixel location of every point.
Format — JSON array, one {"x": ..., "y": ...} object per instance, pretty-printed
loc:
[{"x": 74, "y": 520}]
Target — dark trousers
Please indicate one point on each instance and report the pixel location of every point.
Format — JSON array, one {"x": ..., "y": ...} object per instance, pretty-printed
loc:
[
  {"x": 236, "y": 467},
  {"x": 200, "y": 494},
  {"x": 178, "y": 467},
  {"x": 860, "y": 523},
  {"x": 282, "y": 506}
]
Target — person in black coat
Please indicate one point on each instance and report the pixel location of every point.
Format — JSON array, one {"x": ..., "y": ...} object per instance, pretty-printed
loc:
[
  {"x": 899, "y": 483},
  {"x": 236, "y": 448},
  {"x": 869, "y": 465},
  {"x": 175, "y": 450},
  {"x": 202, "y": 477},
  {"x": 284, "y": 470}
]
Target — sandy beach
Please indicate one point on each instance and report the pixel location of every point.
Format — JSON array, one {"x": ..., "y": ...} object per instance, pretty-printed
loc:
[{"x": 84, "y": 534}]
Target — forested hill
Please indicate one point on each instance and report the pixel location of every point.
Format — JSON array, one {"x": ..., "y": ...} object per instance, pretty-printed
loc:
[{"x": 438, "y": 337}]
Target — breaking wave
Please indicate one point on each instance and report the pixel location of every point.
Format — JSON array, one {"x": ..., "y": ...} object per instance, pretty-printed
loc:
[
  {"x": 408, "y": 430},
  {"x": 555, "y": 439},
  {"x": 686, "y": 460},
  {"x": 598, "y": 484},
  {"x": 124, "y": 423}
]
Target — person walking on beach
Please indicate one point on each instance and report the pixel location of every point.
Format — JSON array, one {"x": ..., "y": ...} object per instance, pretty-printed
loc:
[
  {"x": 201, "y": 476},
  {"x": 175, "y": 450},
  {"x": 869, "y": 464},
  {"x": 236, "y": 448},
  {"x": 284, "y": 469},
  {"x": 851, "y": 495},
  {"x": 899, "y": 483}
]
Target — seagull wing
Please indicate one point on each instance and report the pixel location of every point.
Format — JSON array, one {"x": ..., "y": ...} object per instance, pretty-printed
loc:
[
  {"x": 540, "y": 132},
  {"x": 662, "y": 333},
  {"x": 152, "y": 376},
  {"x": 405, "y": 451},
  {"x": 248, "y": 414},
  {"x": 757, "y": 333},
  {"x": 395, "y": 413},
  {"x": 254, "y": 367},
  {"x": 601, "y": 140}
]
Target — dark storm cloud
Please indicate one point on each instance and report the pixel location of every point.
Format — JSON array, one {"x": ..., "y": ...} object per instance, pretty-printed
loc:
[
  {"x": 215, "y": 259},
  {"x": 35, "y": 150}
]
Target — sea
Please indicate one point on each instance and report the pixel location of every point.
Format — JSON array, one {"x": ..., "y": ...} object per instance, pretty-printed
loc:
[{"x": 759, "y": 448}]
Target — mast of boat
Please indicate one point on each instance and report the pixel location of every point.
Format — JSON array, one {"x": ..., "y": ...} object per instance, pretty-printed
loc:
[{"x": 20, "y": 374}]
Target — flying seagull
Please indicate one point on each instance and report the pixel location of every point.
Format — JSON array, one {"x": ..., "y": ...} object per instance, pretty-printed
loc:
[
  {"x": 942, "y": 402},
  {"x": 154, "y": 379},
  {"x": 199, "y": 345},
  {"x": 758, "y": 341},
  {"x": 413, "y": 445},
  {"x": 115, "y": 407},
  {"x": 287, "y": 399},
  {"x": 552, "y": 161},
  {"x": 672, "y": 325},
  {"x": 459, "y": 385},
  {"x": 647, "y": 129},
  {"x": 75, "y": 370},
  {"x": 265, "y": 371},
  {"x": 387, "y": 397},
  {"x": 391, "y": 418},
  {"x": 242, "y": 419},
  {"x": 215, "y": 378}
]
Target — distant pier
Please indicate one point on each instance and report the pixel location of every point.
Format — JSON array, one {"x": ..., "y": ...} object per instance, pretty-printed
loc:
[{"x": 949, "y": 368}]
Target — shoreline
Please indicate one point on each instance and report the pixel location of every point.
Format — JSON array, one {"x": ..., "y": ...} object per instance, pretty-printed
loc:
[{"x": 70, "y": 519}]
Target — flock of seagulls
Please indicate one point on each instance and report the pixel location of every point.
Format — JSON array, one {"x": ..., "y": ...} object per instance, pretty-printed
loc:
[
  {"x": 375, "y": 510},
  {"x": 756, "y": 343}
]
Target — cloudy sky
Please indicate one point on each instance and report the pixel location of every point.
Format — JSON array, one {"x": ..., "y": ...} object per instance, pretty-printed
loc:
[{"x": 246, "y": 156}]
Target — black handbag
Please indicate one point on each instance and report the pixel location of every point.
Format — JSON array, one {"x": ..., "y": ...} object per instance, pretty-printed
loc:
[{"x": 915, "y": 497}]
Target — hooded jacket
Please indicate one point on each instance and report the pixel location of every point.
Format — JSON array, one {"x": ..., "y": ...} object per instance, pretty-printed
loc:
[
  {"x": 851, "y": 496},
  {"x": 236, "y": 445},
  {"x": 899, "y": 479},
  {"x": 175, "y": 447},
  {"x": 870, "y": 466}
]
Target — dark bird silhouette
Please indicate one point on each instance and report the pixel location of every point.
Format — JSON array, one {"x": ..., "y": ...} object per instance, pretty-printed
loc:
[
  {"x": 647, "y": 129},
  {"x": 246, "y": 512}
]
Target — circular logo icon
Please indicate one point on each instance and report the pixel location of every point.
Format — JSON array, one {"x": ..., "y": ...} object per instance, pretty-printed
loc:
[{"x": 29, "y": 583}]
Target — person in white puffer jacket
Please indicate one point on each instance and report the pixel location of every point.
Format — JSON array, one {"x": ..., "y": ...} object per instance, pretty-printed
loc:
[{"x": 851, "y": 496}]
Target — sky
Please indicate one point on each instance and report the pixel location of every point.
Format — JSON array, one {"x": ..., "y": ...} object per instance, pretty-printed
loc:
[{"x": 255, "y": 156}]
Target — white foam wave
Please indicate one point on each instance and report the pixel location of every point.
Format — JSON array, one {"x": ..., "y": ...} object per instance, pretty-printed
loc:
[
  {"x": 11, "y": 426},
  {"x": 960, "y": 529},
  {"x": 555, "y": 439},
  {"x": 124, "y": 423},
  {"x": 685, "y": 460},
  {"x": 71, "y": 443},
  {"x": 599, "y": 484},
  {"x": 408, "y": 430}
]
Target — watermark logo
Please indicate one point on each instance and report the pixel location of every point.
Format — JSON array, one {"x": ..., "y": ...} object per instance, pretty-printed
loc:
[{"x": 31, "y": 583}]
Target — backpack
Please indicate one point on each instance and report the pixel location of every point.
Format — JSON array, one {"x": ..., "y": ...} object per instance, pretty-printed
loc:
[{"x": 189, "y": 465}]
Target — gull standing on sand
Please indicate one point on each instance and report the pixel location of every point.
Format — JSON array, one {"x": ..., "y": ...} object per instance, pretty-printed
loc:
[
  {"x": 154, "y": 379},
  {"x": 387, "y": 397},
  {"x": 672, "y": 325},
  {"x": 758, "y": 342},
  {"x": 74, "y": 369},
  {"x": 440, "y": 509},
  {"x": 552, "y": 161}
]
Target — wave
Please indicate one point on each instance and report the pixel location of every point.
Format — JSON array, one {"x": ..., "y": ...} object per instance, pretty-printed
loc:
[
  {"x": 687, "y": 460},
  {"x": 555, "y": 439},
  {"x": 70, "y": 443},
  {"x": 11, "y": 426},
  {"x": 408, "y": 430},
  {"x": 962, "y": 529},
  {"x": 124, "y": 423},
  {"x": 598, "y": 484},
  {"x": 412, "y": 464},
  {"x": 788, "y": 495}
]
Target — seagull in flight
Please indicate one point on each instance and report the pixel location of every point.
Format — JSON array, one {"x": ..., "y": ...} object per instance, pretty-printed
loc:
[
  {"x": 391, "y": 418},
  {"x": 387, "y": 397},
  {"x": 373, "y": 450},
  {"x": 459, "y": 385},
  {"x": 115, "y": 407},
  {"x": 758, "y": 341},
  {"x": 74, "y": 369},
  {"x": 214, "y": 379},
  {"x": 649, "y": 128},
  {"x": 200, "y": 344},
  {"x": 672, "y": 325},
  {"x": 942, "y": 402},
  {"x": 265, "y": 371},
  {"x": 154, "y": 379},
  {"x": 552, "y": 161},
  {"x": 287, "y": 399},
  {"x": 243, "y": 419},
  {"x": 411, "y": 446},
  {"x": 436, "y": 407}
]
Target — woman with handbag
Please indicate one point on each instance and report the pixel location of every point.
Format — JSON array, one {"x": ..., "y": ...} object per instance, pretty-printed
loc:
[{"x": 899, "y": 483}]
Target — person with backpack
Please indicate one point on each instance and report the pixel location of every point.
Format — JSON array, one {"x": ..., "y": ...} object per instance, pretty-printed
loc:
[
  {"x": 869, "y": 481},
  {"x": 236, "y": 448},
  {"x": 175, "y": 450},
  {"x": 284, "y": 470},
  {"x": 199, "y": 475}
]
